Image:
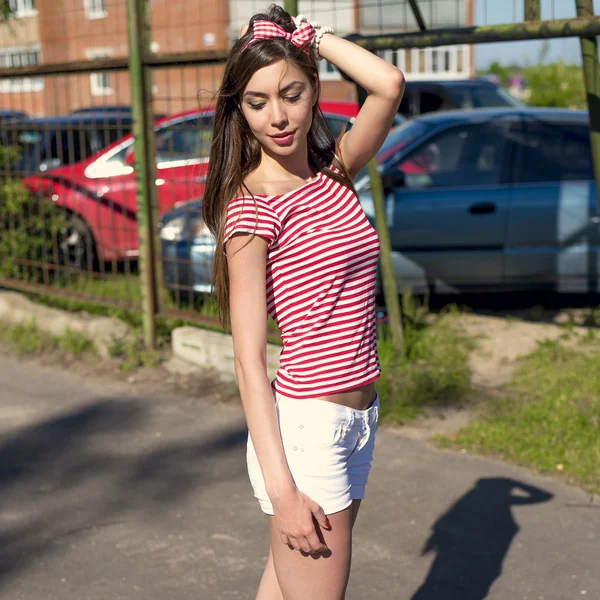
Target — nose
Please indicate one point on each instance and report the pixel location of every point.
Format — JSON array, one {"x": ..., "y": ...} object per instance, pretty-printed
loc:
[{"x": 279, "y": 118}]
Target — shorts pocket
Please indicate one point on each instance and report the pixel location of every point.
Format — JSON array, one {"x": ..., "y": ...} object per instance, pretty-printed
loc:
[{"x": 323, "y": 434}]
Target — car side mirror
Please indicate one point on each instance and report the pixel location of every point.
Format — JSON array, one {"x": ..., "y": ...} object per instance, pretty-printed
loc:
[{"x": 393, "y": 179}]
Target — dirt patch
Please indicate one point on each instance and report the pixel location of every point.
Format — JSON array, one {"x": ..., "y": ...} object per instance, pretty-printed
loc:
[{"x": 501, "y": 342}]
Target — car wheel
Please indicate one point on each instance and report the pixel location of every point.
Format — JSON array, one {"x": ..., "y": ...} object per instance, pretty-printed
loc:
[{"x": 76, "y": 244}]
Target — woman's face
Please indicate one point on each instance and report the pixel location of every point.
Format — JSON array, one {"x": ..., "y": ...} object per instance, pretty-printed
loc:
[{"x": 277, "y": 104}]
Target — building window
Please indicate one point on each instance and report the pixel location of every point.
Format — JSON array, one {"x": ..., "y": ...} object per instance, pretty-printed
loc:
[
  {"x": 100, "y": 80},
  {"x": 459, "y": 59},
  {"x": 422, "y": 68},
  {"x": 20, "y": 57},
  {"x": 95, "y": 9},
  {"x": 327, "y": 72},
  {"x": 23, "y": 8},
  {"x": 434, "y": 61},
  {"x": 408, "y": 68}
]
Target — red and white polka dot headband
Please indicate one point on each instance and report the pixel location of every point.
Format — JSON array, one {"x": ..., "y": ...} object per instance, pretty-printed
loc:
[{"x": 266, "y": 30}]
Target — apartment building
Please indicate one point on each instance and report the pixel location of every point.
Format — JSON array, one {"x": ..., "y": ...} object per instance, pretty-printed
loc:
[
  {"x": 49, "y": 31},
  {"x": 57, "y": 31}
]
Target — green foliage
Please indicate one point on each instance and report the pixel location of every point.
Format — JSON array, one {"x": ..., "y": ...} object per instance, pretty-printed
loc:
[
  {"x": 27, "y": 338},
  {"x": 133, "y": 354},
  {"x": 551, "y": 421},
  {"x": 28, "y": 228},
  {"x": 557, "y": 85},
  {"x": 434, "y": 370},
  {"x": 6, "y": 11},
  {"x": 73, "y": 342}
]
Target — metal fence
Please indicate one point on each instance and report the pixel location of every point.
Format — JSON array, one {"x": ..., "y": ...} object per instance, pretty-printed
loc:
[{"x": 90, "y": 211}]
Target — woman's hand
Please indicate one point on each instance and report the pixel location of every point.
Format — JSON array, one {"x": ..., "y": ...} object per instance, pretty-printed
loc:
[{"x": 295, "y": 515}]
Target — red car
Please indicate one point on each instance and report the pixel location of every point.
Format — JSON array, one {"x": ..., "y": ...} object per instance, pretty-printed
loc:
[{"x": 99, "y": 194}]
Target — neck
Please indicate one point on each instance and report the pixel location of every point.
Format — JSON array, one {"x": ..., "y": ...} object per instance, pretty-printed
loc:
[{"x": 281, "y": 167}]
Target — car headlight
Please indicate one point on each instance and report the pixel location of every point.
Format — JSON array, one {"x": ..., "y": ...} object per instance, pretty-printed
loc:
[{"x": 171, "y": 230}]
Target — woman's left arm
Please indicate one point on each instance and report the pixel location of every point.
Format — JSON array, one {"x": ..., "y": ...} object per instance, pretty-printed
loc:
[{"x": 384, "y": 84}]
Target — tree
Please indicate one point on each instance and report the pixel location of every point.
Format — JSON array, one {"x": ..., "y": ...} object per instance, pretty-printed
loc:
[{"x": 556, "y": 85}]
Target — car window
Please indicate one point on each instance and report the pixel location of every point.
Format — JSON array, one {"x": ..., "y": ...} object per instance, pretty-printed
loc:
[
  {"x": 106, "y": 134},
  {"x": 481, "y": 96},
  {"x": 404, "y": 108},
  {"x": 49, "y": 148},
  {"x": 338, "y": 124},
  {"x": 430, "y": 102},
  {"x": 554, "y": 152},
  {"x": 184, "y": 140},
  {"x": 69, "y": 146},
  {"x": 468, "y": 155}
]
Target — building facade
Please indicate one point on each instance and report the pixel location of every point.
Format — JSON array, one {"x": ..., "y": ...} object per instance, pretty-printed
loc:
[
  {"x": 51, "y": 31},
  {"x": 58, "y": 31}
]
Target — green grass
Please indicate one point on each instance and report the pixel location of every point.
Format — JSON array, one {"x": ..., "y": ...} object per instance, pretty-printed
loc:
[
  {"x": 550, "y": 420},
  {"x": 27, "y": 338},
  {"x": 433, "y": 372},
  {"x": 133, "y": 354}
]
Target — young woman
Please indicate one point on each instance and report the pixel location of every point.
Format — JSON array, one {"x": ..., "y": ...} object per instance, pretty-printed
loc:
[{"x": 294, "y": 243}]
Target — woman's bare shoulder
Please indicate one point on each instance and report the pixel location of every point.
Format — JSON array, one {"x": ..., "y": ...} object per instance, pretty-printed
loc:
[{"x": 254, "y": 184}]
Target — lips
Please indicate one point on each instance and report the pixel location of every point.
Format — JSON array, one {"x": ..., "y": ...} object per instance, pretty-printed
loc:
[
  {"x": 278, "y": 136},
  {"x": 283, "y": 139}
]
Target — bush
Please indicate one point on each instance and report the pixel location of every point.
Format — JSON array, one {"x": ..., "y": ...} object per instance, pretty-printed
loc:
[
  {"x": 29, "y": 227},
  {"x": 433, "y": 371}
]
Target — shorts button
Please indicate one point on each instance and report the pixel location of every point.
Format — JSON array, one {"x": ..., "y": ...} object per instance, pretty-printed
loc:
[
  {"x": 295, "y": 448},
  {"x": 301, "y": 449},
  {"x": 301, "y": 426}
]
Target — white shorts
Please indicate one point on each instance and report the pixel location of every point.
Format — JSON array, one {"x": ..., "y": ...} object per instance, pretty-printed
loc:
[{"x": 328, "y": 448}]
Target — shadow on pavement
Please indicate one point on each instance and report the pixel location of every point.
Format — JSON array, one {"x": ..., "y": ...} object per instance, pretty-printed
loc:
[
  {"x": 92, "y": 467},
  {"x": 472, "y": 539}
]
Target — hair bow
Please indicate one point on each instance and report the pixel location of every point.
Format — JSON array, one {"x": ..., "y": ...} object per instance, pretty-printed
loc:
[{"x": 266, "y": 30}]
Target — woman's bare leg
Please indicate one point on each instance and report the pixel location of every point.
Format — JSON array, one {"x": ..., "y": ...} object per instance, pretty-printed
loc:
[{"x": 269, "y": 585}]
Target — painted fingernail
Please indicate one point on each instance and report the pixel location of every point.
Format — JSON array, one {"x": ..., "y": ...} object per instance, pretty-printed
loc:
[{"x": 327, "y": 524}]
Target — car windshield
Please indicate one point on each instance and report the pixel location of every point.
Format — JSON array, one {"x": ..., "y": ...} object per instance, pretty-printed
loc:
[
  {"x": 481, "y": 96},
  {"x": 399, "y": 137}
]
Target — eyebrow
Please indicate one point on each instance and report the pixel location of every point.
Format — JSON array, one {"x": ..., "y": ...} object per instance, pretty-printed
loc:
[{"x": 283, "y": 90}]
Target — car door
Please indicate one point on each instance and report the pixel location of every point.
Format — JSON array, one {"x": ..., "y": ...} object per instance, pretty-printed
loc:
[
  {"x": 553, "y": 237},
  {"x": 448, "y": 217}
]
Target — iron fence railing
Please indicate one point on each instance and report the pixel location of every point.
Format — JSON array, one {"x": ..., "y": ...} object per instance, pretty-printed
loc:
[{"x": 103, "y": 159}]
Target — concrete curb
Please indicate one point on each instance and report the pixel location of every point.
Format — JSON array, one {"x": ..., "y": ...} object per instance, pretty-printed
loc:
[
  {"x": 193, "y": 349},
  {"x": 101, "y": 331},
  {"x": 214, "y": 350}
]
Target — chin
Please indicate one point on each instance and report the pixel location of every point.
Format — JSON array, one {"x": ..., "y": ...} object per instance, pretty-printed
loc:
[{"x": 282, "y": 150}]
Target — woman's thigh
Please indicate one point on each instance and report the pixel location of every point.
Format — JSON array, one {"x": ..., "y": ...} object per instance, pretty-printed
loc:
[{"x": 324, "y": 576}]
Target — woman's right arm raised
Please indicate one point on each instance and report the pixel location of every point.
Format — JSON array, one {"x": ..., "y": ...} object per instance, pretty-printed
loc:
[{"x": 246, "y": 260}]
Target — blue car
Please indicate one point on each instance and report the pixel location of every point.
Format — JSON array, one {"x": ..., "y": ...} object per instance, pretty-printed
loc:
[{"x": 476, "y": 200}]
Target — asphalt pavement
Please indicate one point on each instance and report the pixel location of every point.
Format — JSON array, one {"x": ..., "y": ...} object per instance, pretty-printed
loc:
[{"x": 108, "y": 493}]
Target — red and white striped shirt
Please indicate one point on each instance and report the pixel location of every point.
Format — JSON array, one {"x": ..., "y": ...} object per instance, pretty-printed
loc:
[{"x": 321, "y": 270}]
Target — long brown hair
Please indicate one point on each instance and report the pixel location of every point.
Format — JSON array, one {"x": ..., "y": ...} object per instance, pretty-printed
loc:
[{"x": 235, "y": 152}]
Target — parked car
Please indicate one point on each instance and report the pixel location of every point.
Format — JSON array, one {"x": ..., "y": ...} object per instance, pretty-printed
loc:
[
  {"x": 100, "y": 193},
  {"x": 113, "y": 108},
  {"x": 12, "y": 116},
  {"x": 51, "y": 142},
  {"x": 109, "y": 108},
  {"x": 422, "y": 97},
  {"x": 476, "y": 200}
]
